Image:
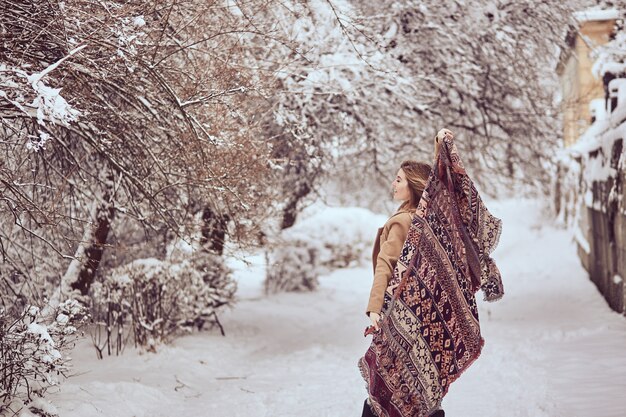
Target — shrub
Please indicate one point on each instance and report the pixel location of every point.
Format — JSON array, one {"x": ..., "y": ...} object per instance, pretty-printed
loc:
[
  {"x": 342, "y": 236},
  {"x": 292, "y": 267},
  {"x": 327, "y": 239},
  {"x": 33, "y": 352},
  {"x": 153, "y": 301}
]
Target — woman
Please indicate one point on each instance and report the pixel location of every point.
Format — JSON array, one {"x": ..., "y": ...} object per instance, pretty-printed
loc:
[
  {"x": 407, "y": 187},
  {"x": 431, "y": 257}
]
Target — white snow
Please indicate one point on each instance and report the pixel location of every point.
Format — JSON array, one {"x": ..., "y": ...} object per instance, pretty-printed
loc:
[
  {"x": 612, "y": 67},
  {"x": 553, "y": 346},
  {"x": 580, "y": 238},
  {"x": 40, "y": 330},
  {"x": 595, "y": 149},
  {"x": 605, "y": 130},
  {"x": 32, "y": 311},
  {"x": 46, "y": 348},
  {"x": 40, "y": 143},
  {"x": 179, "y": 248},
  {"x": 139, "y": 21},
  {"x": 62, "y": 318},
  {"x": 597, "y": 108},
  {"x": 51, "y": 106},
  {"x": 42, "y": 405},
  {"x": 596, "y": 15},
  {"x": 610, "y": 57},
  {"x": 233, "y": 8}
]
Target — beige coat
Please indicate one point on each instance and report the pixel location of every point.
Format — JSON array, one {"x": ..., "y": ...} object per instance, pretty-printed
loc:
[{"x": 387, "y": 247}]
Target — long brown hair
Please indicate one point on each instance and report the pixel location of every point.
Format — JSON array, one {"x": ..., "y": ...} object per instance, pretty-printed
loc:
[{"x": 416, "y": 175}]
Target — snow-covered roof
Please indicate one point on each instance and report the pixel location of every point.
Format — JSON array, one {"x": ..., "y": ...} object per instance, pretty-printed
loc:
[
  {"x": 595, "y": 14},
  {"x": 604, "y": 131}
]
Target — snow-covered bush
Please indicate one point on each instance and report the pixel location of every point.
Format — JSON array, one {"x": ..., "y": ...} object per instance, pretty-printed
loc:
[
  {"x": 293, "y": 266},
  {"x": 33, "y": 352},
  {"x": 325, "y": 239},
  {"x": 155, "y": 300},
  {"x": 342, "y": 236}
]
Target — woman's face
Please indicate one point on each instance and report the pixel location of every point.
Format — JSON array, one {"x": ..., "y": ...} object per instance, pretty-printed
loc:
[{"x": 400, "y": 187}]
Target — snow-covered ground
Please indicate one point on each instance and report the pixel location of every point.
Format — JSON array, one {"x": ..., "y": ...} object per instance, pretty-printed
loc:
[{"x": 553, "y": 347}]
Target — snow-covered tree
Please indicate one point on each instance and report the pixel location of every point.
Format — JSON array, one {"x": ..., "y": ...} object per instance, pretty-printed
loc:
[
  {"x": 483, "y": 69},
  {"x": 372, "y": 82},
  {"x": 125, "y": 110}
]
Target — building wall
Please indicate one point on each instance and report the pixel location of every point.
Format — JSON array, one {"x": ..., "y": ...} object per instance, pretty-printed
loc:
[
  {"x": 607, "y": 232},
  {"x": 595, "y": 208},
  {"x": 590, "y": 192},
  {"x": 578, "y": 84}
]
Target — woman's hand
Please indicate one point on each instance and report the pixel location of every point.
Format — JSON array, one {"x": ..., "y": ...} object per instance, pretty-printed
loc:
[
  {"x": 375, "y": 318},
  {"x": 443, "y": 133},
  {"x": 439, "y": 138}
]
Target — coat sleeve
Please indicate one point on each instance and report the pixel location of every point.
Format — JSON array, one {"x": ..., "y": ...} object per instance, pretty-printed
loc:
[{"x": 390, "y": 250}]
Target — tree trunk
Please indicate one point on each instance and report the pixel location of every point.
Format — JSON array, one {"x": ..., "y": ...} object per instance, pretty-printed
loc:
[
  {"x": 213, "y": 230},
  {"x": 82, "y": 269},
  {"x": 93, "y": 253},
  {"x": 290, "y": 212}
]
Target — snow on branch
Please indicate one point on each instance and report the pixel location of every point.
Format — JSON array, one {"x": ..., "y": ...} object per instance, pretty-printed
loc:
[{"x": 36, "y": 77}]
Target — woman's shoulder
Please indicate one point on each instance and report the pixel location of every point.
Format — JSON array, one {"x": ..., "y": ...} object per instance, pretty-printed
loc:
[{"x": 402, "y": 216}]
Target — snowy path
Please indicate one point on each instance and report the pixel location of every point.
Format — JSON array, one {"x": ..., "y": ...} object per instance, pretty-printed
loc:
[{"x": 553, "y": 348}]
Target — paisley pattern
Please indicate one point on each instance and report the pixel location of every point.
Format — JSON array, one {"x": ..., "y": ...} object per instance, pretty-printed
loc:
[{"x": 430, "y": 330}]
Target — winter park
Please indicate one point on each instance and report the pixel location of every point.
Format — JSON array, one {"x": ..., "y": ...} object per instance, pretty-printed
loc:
[{"x": 312, "y": 208}]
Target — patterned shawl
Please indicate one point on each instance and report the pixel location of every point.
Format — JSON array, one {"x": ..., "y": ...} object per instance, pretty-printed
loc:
[{"x": 430, "y": 331}]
